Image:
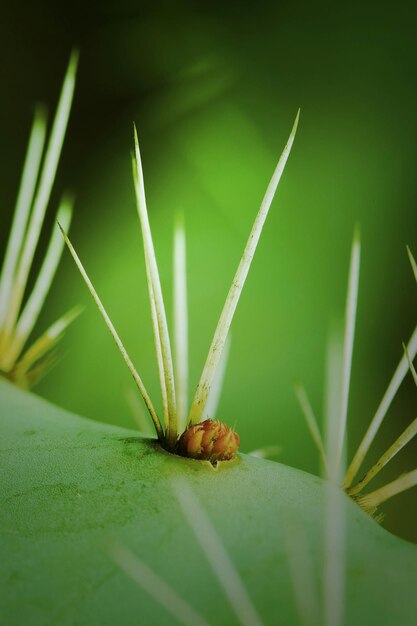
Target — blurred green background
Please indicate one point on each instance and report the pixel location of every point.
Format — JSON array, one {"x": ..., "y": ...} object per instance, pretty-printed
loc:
[{"x": 214, "y": 88}]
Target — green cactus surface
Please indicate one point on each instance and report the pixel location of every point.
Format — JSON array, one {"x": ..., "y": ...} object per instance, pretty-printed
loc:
[{"x": 73, "y": 489}]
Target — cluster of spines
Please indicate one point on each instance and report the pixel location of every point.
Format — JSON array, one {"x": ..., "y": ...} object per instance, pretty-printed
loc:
[
  {"x": 26, "y": 367},
  {"x": 336, "y": 421},
  {"x": 174, "y": 380}
]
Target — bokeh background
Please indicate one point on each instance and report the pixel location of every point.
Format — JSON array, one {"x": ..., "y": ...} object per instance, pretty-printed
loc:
[{"x": 214, "y": 88}]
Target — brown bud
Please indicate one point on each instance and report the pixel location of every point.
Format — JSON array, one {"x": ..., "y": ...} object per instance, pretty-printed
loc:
[{"x": 210, "y": 440}]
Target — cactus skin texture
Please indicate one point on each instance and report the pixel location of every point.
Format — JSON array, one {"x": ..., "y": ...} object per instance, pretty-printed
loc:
[{"x": 210, "y": 440}]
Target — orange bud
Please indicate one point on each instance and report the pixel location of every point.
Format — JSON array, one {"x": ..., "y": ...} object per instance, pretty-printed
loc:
[{"x": 210, "y": 440}]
